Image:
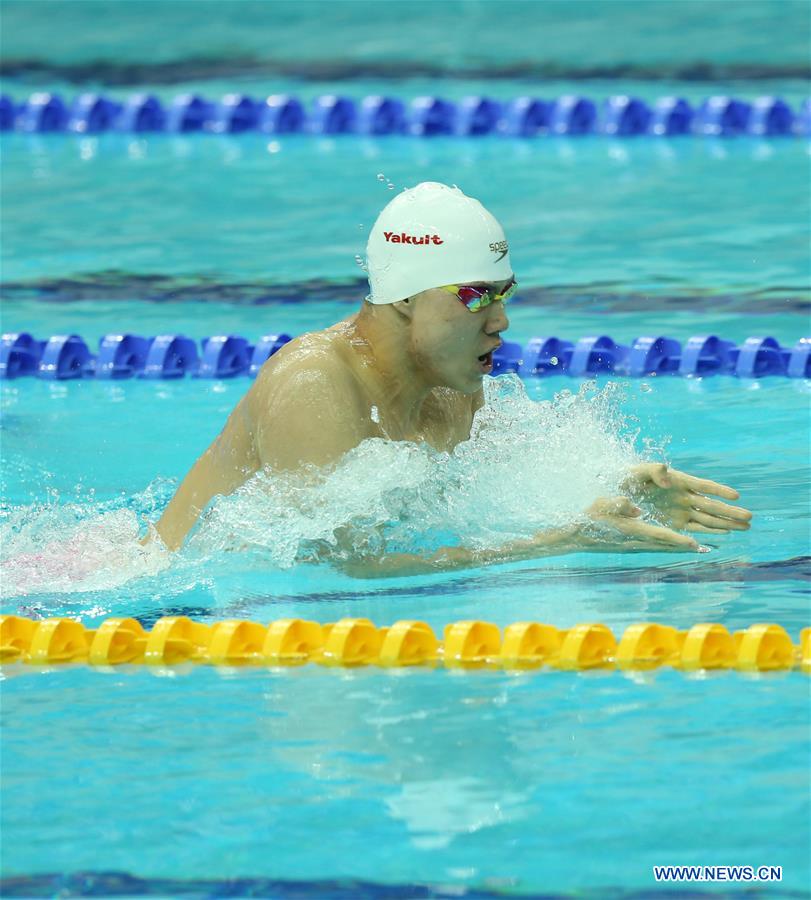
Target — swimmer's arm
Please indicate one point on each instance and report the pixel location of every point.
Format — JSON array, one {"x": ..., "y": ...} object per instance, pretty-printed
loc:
[
  {"x": 611, "y": 526},
  {"x": 553, "y": 542},
  {"x": 304, "y": 418},
  {"x": 226, "y": 464}
]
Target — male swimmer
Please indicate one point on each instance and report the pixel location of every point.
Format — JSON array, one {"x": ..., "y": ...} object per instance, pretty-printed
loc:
[{"x": 408, "y": 366}]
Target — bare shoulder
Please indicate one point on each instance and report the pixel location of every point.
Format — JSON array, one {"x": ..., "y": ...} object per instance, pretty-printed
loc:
[
  {"x": 315, "y": 359},
  {"x": 306, "y": 404}
]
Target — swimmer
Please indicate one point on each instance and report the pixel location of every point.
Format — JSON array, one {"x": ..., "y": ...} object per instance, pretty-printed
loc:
[{"x": 408, "y": 366}]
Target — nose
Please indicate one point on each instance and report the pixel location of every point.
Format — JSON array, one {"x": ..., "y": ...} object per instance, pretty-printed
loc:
[{"x": 496, "y": 318}]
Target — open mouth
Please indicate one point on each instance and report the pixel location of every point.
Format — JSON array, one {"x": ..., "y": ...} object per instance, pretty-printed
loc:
[{"x": 486, "y": 361}]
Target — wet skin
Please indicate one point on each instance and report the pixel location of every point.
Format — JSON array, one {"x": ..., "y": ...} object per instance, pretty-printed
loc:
[
  {"x": 403, "y": 371},
  {"x": 411, "y": 371}
]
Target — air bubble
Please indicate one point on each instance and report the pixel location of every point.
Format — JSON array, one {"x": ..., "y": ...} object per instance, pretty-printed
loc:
[
  {"x": 360, "y": 261},
  {"x": 381, "y": 176},
  {"x": 645, "y": 387}
]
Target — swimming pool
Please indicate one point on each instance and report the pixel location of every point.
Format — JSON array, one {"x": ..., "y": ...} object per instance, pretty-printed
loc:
[{"x": 320, "y": 782}]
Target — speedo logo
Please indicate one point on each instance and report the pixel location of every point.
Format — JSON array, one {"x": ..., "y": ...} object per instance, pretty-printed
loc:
[
  {"x": 500, "y": 247},
  {"x": 403, "y": 238}
]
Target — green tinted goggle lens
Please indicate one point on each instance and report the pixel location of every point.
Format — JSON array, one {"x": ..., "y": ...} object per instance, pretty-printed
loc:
[{"x": 479, "y": 298}]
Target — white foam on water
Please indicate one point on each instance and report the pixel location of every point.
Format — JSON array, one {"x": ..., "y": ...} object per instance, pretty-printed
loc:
[
  {"x": 527, "y": 466},
  {"x": 91, "y": 553}
]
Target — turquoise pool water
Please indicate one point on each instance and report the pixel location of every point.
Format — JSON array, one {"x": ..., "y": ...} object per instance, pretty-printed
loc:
[
  {"x": 548, "y": 782},
  {"x": 485, "y": 782}
]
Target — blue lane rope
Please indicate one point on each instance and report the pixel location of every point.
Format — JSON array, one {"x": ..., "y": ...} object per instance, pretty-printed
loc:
[
  {"x": 120, "y": 356},
  {"x": 526, "y": 117}
]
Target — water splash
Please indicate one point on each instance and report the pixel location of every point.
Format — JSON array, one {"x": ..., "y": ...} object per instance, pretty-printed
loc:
[
  {"x": 526, "y": 466},
  {"x": 98, "y": 551}
]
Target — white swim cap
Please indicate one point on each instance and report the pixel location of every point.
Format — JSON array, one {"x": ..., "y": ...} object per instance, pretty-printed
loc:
[{"x": 429, "y": 236}]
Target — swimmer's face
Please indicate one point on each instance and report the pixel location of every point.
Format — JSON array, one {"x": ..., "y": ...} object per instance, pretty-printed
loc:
[{"x": 447, "y": 339}]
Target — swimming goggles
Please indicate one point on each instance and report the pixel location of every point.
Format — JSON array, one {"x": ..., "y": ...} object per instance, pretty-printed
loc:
[{"x": 479, "y": 298}]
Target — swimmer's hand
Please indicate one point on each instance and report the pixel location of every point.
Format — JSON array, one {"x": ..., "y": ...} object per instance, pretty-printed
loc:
[
  {"x": 613, "y": 526},
  {"x": 677, "y": 500},
  {"x": 616, "y": 528}
]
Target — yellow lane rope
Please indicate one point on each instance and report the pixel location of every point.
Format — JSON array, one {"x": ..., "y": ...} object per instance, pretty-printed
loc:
[{"x": 174, "y": 640}]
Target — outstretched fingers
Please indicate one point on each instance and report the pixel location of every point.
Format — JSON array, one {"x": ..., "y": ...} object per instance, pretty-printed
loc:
[
  {"x": 716, "y": 522},
  {"x": 655, "y": 536},
  {"x": 696, "y": 526},
  {"x": 733, "y": 516},
  {"x": 706, "y": 486}
]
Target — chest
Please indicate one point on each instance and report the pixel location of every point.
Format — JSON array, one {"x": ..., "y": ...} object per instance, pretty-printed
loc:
[
  {"x": 444, "y": 422},
  {"x": 446, "y": 432}
]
